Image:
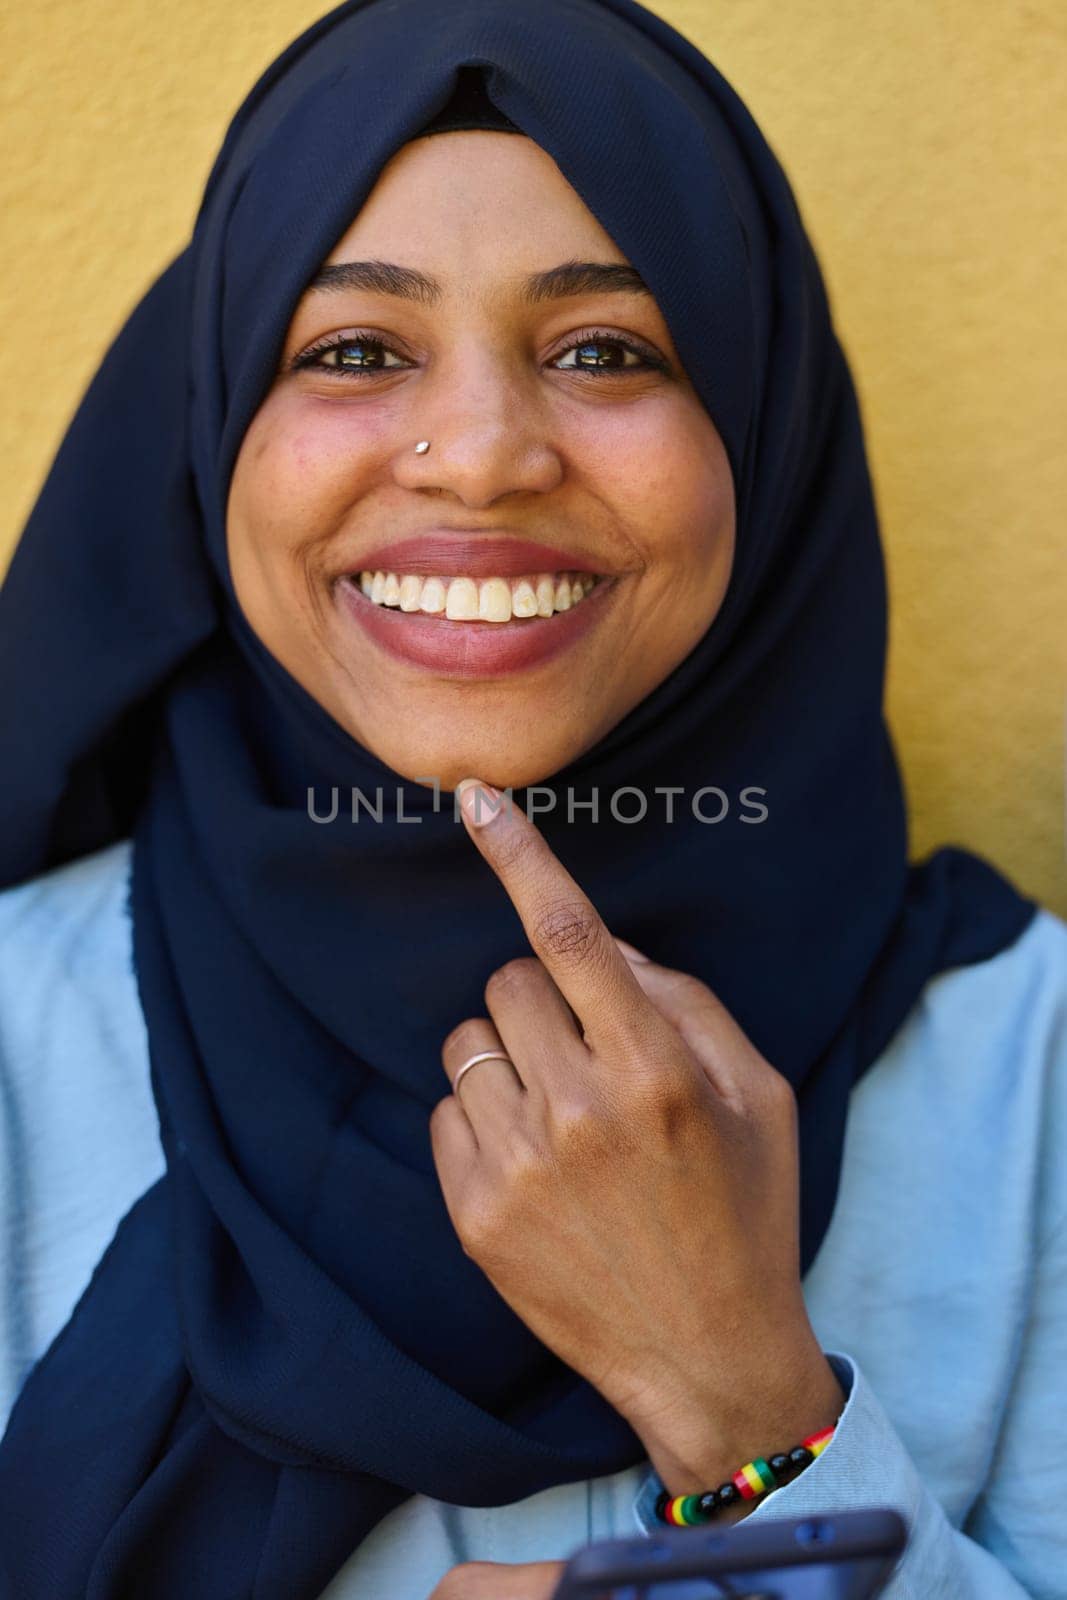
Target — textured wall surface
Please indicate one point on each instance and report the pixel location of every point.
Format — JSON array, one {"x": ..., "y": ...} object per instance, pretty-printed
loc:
[{"x": 927, "y": 143}]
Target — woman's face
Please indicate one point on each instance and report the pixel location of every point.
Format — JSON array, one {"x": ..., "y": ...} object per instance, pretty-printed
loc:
[{"x": 559, "y": 417}]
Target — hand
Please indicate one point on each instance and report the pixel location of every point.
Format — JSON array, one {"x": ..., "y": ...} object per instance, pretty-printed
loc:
[
  {"x": 631, "y": 1186},
  {"x": 492, "y": 1580}
]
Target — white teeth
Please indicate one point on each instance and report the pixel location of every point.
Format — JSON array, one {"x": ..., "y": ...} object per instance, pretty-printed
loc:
[
  {"x": 523, "y": 599},
  {"x": 539, "y": 594},
  {"x": 433, "y": 596},
  {"x": 462, "y": 602},
  {"x": 494, "y": 600},
  {"x": 546, "y": 594}
]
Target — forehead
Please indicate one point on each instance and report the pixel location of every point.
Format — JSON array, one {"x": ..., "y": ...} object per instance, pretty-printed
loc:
[{"x": 474, "y": 204}]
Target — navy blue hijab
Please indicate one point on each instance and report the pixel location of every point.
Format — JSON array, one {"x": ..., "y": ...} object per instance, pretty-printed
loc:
[{"x": 284, "y": 1339}]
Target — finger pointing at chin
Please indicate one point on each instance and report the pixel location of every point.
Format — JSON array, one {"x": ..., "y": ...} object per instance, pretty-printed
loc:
[{"x": 565, "y": 930}]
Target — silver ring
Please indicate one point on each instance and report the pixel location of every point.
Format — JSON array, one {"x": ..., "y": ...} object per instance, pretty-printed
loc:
[{"x": 483, "y": 1055}]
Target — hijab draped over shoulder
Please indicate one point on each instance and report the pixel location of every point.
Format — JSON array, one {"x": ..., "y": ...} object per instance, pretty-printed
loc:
[{"x": 284, "y": 1339}]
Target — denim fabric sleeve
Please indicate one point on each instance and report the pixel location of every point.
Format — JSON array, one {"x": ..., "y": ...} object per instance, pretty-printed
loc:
[{"x": 867, "y": 1465}]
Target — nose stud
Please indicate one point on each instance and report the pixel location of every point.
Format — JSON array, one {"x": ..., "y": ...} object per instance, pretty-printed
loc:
[{"x": 422, "y": 447}]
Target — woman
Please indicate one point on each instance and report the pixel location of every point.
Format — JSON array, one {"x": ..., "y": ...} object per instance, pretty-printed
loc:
[{"x": 493, "y": 426}]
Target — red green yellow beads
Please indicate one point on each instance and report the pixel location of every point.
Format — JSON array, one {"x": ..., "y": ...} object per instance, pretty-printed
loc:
[
  {"x": 754, "y": 1478},
  {"x": 683, "y": 1511},
  {"x": 748, "y": 1483}
]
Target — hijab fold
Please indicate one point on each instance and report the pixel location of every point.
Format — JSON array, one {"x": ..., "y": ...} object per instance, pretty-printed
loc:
[{"x": 284, "y": 1339}]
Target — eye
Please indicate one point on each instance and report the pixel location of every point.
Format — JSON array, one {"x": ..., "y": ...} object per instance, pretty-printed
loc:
[
  {"x": 601, "y": 352},
  {"x": 597, "y": 352},
  {"x": 357, "y": 354}
]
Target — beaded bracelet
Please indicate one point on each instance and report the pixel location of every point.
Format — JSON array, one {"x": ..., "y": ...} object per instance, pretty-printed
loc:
[{"x": 753, "y": 1479}]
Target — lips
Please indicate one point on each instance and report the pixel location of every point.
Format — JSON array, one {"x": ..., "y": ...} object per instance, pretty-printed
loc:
[
  {"x": 445, "y": 554},
  {"x": 473, "y": 649}
]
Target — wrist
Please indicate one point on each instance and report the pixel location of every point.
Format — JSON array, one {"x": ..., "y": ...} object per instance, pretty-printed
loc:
[{"x": 699, "y": 1442}]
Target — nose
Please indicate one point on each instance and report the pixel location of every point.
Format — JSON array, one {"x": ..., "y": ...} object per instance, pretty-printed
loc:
[{"x": 487, "y": 439}]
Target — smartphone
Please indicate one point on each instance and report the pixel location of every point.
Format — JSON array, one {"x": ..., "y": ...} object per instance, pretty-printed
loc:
[{"x": 849, "y": 1556}]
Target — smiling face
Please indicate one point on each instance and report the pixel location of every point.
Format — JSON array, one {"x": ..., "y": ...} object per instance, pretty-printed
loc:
[{"x": 565, "y": 440}]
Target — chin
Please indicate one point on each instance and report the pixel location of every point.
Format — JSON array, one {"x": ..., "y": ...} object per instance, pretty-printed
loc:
[
  {"x": 502, "y": 773},
  {"x": 471, "y": 736},
  {"x": 449, "y": 761}
]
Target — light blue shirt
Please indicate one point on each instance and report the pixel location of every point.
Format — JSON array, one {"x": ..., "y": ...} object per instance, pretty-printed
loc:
[{"x": 939, "y": 1293}]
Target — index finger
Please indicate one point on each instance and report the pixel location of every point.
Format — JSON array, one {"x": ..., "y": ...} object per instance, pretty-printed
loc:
[{"x": 565, "y": 930}]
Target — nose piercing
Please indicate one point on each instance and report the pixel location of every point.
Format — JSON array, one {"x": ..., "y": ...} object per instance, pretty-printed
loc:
[{"x": 422, "y": 447}]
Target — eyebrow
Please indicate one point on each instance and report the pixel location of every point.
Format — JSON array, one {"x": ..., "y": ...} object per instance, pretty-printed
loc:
[{"x": 569, "y": 278}]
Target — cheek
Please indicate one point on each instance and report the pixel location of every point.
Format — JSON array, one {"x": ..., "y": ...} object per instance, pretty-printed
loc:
[
  {"x": 675, "y": 490},
  {"x": 702, "y": 488},
  {"x": 296, "y": 475},
  {"x": 701, "y": 521}
]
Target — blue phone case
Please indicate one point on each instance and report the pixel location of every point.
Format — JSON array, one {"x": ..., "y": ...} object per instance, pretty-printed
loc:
[{"x": 844, "y": 1557}]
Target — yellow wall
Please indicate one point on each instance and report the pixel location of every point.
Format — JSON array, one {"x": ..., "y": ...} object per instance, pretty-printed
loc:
[{"x": 927, "y": 143}]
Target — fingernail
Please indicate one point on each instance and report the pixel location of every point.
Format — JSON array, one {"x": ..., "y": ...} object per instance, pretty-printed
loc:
[
  {"x": 479, "y": 800},
  {"x": 629, "y": 952}
]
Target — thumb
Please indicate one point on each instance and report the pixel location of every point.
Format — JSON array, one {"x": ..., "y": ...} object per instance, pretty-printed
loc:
[{"x": 494, "y": 1580}]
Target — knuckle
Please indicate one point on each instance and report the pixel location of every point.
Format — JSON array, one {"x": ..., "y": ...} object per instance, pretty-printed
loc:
[
  {"x": 478, "y": 1228},
  {"x": 666, "y": 1096},
  {"x": 765, "y": 1101},
  {"x": 780, "y": 1094},
  {"x": 510, "y": 979},
  {"x": 578, "y": 1125},
  {"x": 702, "y": 1006},
  {"x": 689, "y": 988},
  {"x": 523, "y": 1155},
  {"x": 568, "y": 931},
  {"x": 466, "y": 1037}
]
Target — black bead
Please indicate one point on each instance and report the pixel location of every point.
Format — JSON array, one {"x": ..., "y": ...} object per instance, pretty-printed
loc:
[
  {"x": 779, "y": 1464},
  {"x": 728, "y": 1493},
  {"x": 662, "y": 1502},
  {"x": 801, "y": 1456},
  {"x": 709, "y": 1503}
]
